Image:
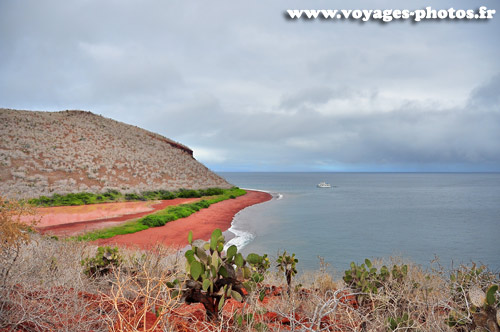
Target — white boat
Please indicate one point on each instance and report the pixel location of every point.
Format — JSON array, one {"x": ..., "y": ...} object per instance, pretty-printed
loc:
[{"x": 324, "y": 185}]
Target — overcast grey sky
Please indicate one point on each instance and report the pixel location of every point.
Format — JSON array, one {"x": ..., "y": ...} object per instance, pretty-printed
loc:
[{"x": 249, "y": 90}]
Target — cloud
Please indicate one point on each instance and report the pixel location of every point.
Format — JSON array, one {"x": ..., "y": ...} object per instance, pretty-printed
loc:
[
  {"x": 253, "y": 91},
  {"x": 487, "y": 95},
  {"x": 209, "y": 155}
]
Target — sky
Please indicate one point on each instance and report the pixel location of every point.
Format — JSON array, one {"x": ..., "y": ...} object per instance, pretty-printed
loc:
[{"x": 250, "y": 90}]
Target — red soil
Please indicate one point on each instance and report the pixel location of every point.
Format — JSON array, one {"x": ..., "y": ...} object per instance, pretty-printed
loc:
[
  {"x": 55, "y": 315},
  {"x": 202, "y": 223},
  {"x": 72, "y": 220}
]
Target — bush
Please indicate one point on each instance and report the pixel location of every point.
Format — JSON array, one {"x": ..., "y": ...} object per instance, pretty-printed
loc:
[
  {"x": 181, "y": 211},
  {"x": 13, "y": 233},
  {"x": 203, "y": 204},
  {"x": 104, "y": 261},
  {"x": 188, "y": 193},
  {"x": 164, "y": 194},
  {"x": 85, "y": 198},
  {"x": 211, "y": 191},
  {"x": 111, "y": 194},
  {"x": 155, "y": 220},
  {"x": 134, "y": 197}
]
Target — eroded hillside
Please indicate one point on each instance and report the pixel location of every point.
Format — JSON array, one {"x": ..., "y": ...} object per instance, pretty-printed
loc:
[{"x": 42, "y": 153}]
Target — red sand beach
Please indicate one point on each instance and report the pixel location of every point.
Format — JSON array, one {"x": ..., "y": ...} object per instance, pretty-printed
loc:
[
  {"x": 202, "y": 223},
  {"x": 72, "y": 220}
]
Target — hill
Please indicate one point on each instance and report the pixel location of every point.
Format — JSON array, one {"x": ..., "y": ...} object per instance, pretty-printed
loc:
[{"x": 42, "y": 153}]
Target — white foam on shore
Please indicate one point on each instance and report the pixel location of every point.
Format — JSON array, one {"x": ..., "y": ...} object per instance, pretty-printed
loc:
[
  {"x": 263, "y": 191},
  {"x": 243, "y": 238},
  {"x": 275, "y": 195},
  {"x": 240, "y": 239}
]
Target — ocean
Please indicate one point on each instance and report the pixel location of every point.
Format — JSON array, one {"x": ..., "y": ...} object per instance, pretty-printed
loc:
[{"x": 454, "y": 217}]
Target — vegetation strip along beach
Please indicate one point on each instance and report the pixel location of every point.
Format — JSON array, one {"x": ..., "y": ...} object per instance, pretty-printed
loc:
[
  {"x": 159, "y": 218},
  {"x": 85, "y": 198},
  {"x": 202, "y": 224}
]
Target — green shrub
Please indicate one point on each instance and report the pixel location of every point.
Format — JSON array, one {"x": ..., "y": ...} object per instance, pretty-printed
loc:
[
  {"x": 181, "y": 211},
  {"x": 150, "y": 195},
  {"x": 164, "y": 194},
  {"x": 203, "y": 204},
  {"x": 85, "y": 198},
  {"x": 154, "y": 220},
  {"x": 102, "y": 263},
  {"x": 188, "y": 193},
  {"x": 111, "y": 194},
  {"x": 134, "y": 197},
  {"x": 211, "y": 191}
]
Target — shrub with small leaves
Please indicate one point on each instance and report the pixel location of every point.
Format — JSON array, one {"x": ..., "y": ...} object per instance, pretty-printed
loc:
[
  {"x": 13, "y": 233},
  {"x": 102, "y": 263}
]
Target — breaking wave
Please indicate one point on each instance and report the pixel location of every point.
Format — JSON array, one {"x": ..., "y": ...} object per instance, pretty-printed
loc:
[{"x": 242, "y": 238}]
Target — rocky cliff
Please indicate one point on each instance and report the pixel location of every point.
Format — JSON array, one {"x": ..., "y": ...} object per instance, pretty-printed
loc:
[{"x": 42, "y": 153}]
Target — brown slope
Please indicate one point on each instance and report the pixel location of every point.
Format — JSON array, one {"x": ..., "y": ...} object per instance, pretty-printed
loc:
[{"x": 42, "y": 153}]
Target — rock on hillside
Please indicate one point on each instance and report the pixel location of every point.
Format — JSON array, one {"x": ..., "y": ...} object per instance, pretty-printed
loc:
[{"x": 42, "y": 153}]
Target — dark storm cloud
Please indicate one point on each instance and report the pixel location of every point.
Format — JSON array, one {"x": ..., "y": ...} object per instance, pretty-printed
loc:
[{"x": 249, "y": 90}]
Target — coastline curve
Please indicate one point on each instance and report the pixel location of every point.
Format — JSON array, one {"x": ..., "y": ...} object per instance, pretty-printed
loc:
[
  {"x": 202, "y": 223},
  {"x": 241, "y": 238}
]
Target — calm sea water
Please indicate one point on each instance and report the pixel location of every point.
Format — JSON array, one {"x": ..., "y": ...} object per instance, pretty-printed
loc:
[{"x": 417, "y": 216}]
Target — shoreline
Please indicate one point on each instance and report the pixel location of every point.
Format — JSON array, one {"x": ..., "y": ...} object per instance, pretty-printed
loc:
[
  {"x": 238, "y": 237},
  {"x": 202, "y": 223}
]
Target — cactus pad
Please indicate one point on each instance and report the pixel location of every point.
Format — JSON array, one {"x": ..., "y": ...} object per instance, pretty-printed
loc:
[{"x": 477, "y": 296}]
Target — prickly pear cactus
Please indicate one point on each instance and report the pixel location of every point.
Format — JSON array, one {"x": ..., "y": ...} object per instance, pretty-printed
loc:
[
  {"x": 485, "y": 311},
  {"x": 476, "y": 296},
  {"x": 365, "y": 278},
  {"x": 214, "y": 275},
  {"x": 287, "y": 264}
]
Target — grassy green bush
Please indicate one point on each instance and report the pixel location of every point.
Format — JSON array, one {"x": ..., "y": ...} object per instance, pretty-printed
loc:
[
  {"x": 126, "y": 228},
  {"x": 85, "y": 198},
  {"x": 202, "y": 204},
  {"x": 211, "y": 191},
  {"x": 156, "y": 220},
  {"x": 134, "y": 197},
  {"x": 188, "y": 193}
]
